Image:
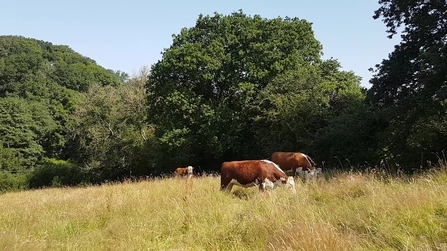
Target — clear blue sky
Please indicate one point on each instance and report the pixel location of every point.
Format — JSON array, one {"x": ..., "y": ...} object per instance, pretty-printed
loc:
[{"x": 126, "y": 35}]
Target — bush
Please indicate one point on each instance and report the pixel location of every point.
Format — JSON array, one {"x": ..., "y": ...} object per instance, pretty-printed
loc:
[
  {"x": 56, "y": 173},
  {"x": 13, "y": 181}
]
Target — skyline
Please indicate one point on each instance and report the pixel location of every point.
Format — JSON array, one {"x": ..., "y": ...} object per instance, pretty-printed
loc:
[{"x": 128, "y": 35}]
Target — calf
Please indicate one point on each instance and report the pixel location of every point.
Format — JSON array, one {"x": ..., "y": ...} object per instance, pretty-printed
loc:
[
  {"x": 247, "y": 173},
  {"x": 183, "y": 171}
]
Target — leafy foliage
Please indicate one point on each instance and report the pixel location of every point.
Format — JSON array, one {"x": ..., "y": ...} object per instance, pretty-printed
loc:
[
  {"x": 39, "y": 85},
  {"x": 236, "y": 86},
  {"x": 24, "y": 60},
  {"x": 13, "y": 181},
  {"x": 410, "y": 86},
  {"x": 200, "y": 90},
  {"x": 24, "y": 128},
  {"x": 109, "y": 130},
  {"x": 301, "y": 103},
  {"x": 56, "y": 173}
]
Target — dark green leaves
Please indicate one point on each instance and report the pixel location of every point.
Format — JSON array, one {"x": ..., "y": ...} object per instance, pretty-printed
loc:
[
  {"x": 410, "y": 85},
  {"x": 25, "y": 126},
  {"x": 237, "y": 86}
]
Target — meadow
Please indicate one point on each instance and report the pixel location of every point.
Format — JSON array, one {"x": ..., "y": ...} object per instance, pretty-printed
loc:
[{"x": 341, "y": 211}]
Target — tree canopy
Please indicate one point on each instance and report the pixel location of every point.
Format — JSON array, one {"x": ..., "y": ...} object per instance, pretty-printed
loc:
[
  {"x": 39, "y": 85},
  {"x": 410, "y": 86},
  {"x": 212, "y": 96}
]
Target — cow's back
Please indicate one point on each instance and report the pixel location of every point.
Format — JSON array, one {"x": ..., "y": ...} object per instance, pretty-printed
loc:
[
  {"x": 179, "y": 171},
  {"x": 243, "y": 171},
  {"x": 285, "y": 160},
  {"x": 292, "y": 160}
]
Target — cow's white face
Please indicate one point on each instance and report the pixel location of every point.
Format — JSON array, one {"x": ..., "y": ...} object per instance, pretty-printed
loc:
[
  {"x": 190, "y": 169},
  {"x": 308, "y": 174},
  {"x": 289, "y": 183}
]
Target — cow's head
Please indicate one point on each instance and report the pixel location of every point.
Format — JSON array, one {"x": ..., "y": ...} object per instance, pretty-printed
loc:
[
  {"x": 308, "y": 174},
  {"x": 190, "y": 169},
  {"x": 288, "y": 183}
]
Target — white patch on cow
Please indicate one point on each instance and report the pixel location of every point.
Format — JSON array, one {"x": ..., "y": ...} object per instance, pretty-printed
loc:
[
  {"x": 273, "y": 163},
  {"x": 307, "y": 158},
  {"x": 289, "y": 182},
  {"x": 190, "y": 169},
  {"x": 268, "y": 184}
]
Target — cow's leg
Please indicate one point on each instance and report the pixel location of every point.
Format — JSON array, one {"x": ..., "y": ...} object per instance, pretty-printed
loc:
[
  {"x": 290, "y": 172},
  {"x": 294, "y": 170},
  {"x": 227, "y": 188},
  {"x": 223, "y": 188}
]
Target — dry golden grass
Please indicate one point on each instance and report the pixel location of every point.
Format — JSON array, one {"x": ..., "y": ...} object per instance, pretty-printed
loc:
[{"x": 346, "y": 212}]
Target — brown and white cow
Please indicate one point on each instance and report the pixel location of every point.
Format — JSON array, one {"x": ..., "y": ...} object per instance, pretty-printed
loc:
[
  {"x": 247, "y": 173},
  {"x": 299, "y": 163},
  {"x": 183, "y": 171}
]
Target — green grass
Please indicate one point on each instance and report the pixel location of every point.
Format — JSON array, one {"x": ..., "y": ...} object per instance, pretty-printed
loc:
[{"x": 347, "y": 211}]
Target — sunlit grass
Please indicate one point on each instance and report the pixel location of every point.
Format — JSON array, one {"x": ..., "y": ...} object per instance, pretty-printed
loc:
[{"x": 347, "y": 211}]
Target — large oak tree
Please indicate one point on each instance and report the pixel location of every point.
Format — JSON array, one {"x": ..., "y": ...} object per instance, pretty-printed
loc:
[{"x": 212, "y": 95}]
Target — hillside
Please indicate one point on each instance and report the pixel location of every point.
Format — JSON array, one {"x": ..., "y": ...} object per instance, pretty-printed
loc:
[
  {"x": 350, "y": 211},
  {"x": 41, "y": 85}
]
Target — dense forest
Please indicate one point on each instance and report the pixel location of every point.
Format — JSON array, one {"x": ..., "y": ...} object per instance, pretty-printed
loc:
[{"x": 231, "y": 87}]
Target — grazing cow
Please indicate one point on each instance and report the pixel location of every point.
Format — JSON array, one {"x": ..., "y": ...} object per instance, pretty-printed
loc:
[
  {"x": 299, "y": 163},
  {"x": 248, "y": 173},
  {"x": 183, "y": 171}
]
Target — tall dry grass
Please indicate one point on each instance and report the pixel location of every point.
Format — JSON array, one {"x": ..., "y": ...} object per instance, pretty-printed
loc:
[{"x": 349, "y": 211}]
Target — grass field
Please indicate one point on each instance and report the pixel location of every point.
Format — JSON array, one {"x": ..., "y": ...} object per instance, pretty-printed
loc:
[{"x": 347, "y": 211}]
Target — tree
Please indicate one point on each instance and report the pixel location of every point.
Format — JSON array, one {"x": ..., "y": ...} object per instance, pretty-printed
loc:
[
  {"x": 199, "y": 91},
  {"x": 301, "y": 108},
  {"x": 39, "y": 85},
  {"x": 410, "y": 86},
  {"x": 109, "y": 132},
  {"x": 206, "y": 96},
  {"x": 24, "y": 128},
  {"x": 25, "y": 59}
]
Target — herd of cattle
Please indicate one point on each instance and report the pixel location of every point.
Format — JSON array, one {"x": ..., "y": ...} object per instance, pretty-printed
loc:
[{"x": 266, "y": 174}]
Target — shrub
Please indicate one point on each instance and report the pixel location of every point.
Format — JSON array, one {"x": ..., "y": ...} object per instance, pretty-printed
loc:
[
  {"x": 56, "y": 173},
  {"x": 13, "y": 181}
]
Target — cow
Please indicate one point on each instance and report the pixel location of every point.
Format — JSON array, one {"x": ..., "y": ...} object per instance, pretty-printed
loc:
[
  {"x": 299, "y": 163},
  {"x": 247, "y": 173},
  {"x": 183, "y": 171}
]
